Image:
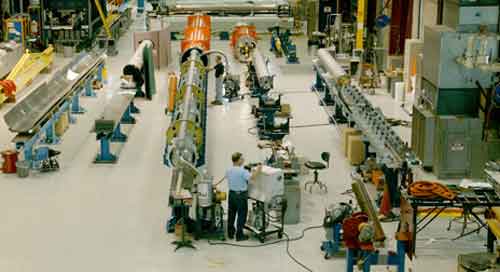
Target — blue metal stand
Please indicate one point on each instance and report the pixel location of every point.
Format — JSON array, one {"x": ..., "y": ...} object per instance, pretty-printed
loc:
[
  {"x": 351, "y": 257},
  {"x": 318, "y": 84},
  {"x": 133, "y": 108},
  {"x": 89, "y": 91},
  {"x": 50, "y": 134},
  {"x": 75, "y": 105},
  {"x": 333, "y": 246},
  {"x": 105, "y": 156},
  {"x": 140, "y": 6},
  {"x": 127, "y": 117},
  {"x": 118, "y": 135},
  {"x": 370, "y": 258}
]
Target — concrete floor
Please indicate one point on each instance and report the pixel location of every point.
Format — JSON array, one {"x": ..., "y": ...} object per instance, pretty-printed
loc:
[{"x": 89, "y": 217}]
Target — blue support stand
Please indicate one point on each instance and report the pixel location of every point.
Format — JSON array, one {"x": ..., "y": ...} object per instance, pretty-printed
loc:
[
  {"x": 372, "y": 258},
  {"x": 399, "y": 258},
  {"x": 351, "y": 257},
  {"x": 318, "y": 84},
  {"x": 127, "y": 117},
  {"x": 369, "y": 258},
  {"x": 333, "y": 246},
  {"x": 105, "y": 155},
  {"x": 140, "y": 6},
  {"x": 75, "y": 105},
  {"x": 89, "y": 91},
  {"x": 118, "y": 135},
  {"x": 50, "y": 133},
  {"x": 133, "y": 108}
]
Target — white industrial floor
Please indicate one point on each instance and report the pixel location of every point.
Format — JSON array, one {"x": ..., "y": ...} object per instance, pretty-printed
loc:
[{"x": 110, "y": 218}]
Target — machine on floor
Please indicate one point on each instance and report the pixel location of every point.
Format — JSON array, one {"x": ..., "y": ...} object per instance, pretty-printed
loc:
[
  {"x": 191, "y": 186},
  {"x": 273, "y": 118},
  {"x": 364, "y": 238},
  {"x": 243, "y": 41},
  {"x": 260, "y": 80},
  {"x": 332, "y": 222},
  {"x": 459, "y": 76},
  {"x": 283, "y": 45}
]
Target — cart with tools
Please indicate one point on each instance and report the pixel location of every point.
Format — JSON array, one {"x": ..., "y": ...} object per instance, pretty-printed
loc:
[
  {"x": 262, "y": 223},
  {"x": 266, "y": 192}
]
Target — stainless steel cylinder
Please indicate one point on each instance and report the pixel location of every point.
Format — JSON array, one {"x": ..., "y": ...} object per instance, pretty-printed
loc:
[
  {"x": 330, "y": 65},
  {"x": 263, "y": 74}
]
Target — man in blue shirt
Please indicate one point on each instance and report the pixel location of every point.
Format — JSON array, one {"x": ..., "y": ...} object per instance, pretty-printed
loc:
[{"x": 238, "y": 178}]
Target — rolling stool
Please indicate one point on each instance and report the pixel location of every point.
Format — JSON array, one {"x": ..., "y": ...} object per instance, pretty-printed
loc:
[{"x": 314, "y": 165}]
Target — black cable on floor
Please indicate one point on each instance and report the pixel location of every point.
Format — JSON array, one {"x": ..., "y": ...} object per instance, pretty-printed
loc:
[
  {"x": 291, "y": 256},
  {"x": 287, "y": 241},
  {"x": 312, "y": 125},
  {"x": 252, "y": 131}
]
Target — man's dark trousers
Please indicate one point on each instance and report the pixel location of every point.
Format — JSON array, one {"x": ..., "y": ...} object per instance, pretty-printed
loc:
[{"x": 238, "y": 205}]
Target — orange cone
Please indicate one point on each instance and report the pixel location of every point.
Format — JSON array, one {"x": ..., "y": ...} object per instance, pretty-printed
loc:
[{"x": 385, "y": 205}]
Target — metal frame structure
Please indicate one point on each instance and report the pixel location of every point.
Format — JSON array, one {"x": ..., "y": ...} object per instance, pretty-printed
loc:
[
  {"x": 34, "y": 118},
  {"x": 108, "y": 127},
  {"x": 26, "y": 69}
]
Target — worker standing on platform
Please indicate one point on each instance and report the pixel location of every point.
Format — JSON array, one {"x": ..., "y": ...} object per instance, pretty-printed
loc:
[
  {"x": 219, "y": 79},
  {"x": 238, "y": 178}
]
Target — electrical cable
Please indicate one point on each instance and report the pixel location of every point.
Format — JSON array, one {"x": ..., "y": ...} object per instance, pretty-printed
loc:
[
  {"x": 251, "y": 131},
  {"x": 287, "y": 241},
  {"x": 220, "y": 181},
  {"x": 311, "y": 125},
  {"x": 292, "y": 257}
]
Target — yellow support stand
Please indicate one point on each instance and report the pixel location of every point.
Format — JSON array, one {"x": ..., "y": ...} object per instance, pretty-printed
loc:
[
  {"x": 360, "y": 24},
  {"x": 26, "y": 69},
  {"x": 105, "y": 20}
]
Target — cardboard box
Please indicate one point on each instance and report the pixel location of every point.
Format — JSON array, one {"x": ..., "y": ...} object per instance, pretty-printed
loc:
[
  {"x": 346, "y": 132},
  {"x": 355, "y": 149}
]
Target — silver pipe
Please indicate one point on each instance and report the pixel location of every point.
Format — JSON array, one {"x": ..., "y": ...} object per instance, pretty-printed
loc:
[
  {"x": 264, "y": 76},
  {"x": 329, "y": 63},
  {"x": 226, "y": 60},
  {"x": 233, "y": 8}
]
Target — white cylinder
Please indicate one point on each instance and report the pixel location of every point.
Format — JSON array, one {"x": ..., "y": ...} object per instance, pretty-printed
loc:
[
  {"x": 328, "y": 63},
  {"x": 205, "y": 195},
  {"x": 137, "y": 59},
  {"x": 399, "y": 91}
]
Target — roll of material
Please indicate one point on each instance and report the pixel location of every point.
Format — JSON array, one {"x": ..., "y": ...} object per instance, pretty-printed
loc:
[
  {"x": 135, "y": 64},
  {"x": 330, "y": 65},
  {"x": 137, "y": 59}
]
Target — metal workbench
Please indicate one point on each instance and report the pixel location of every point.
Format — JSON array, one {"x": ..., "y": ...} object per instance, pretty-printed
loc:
[{"x": 466, "y": 200}]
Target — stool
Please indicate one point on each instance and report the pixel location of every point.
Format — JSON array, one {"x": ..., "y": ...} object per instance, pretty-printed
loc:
[{"x": 316, "y": 166}]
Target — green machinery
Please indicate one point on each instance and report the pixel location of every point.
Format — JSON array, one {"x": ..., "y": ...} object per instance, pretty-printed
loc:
[
  {"x": 283, "y": 45},
  {"x": 447, "y": 132}
]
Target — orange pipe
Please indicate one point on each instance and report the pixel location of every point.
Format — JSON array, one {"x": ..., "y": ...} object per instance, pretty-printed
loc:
[
  {"x": 196, "y": 21},
  {"x": 197, "y": 33},
  {"x": 172, "y": 90}
]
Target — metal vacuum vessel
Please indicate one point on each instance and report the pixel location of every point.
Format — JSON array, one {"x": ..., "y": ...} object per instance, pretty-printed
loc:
[{"x": 243, "y": 41}]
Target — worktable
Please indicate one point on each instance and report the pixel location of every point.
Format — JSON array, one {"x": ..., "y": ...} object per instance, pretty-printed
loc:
[{"x": 466, "y": 200}]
